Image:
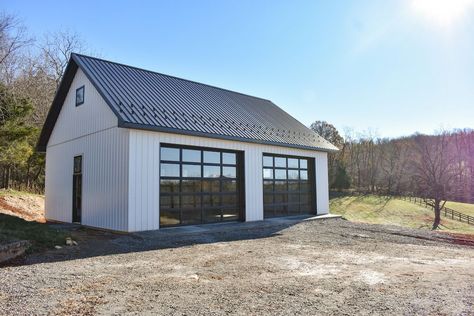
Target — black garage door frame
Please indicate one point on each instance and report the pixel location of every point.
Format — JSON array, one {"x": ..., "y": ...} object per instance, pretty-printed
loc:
[
  {"x": 165, "y": 196},
  {"x": 270, "y": 208}
]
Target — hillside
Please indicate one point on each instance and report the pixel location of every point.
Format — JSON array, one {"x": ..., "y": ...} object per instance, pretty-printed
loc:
[
  {"x": 27, "y": 206},
  {"x": 391, "y": 211}
]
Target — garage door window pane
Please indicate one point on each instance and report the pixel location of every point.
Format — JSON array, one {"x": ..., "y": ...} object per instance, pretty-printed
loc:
[
  {"x": 229, "y": 199},
  {"x": 191, "y": 155},
  {"x": 210, "y": 200},
  {"x": 281, "y": 186},
  {"x": 191, "y": 171},
  {"x": 169, "y": 170},
  {"x": 169, "y": 201},
  {"x": 171, "y": 154},
  {"x": 211, "y": 186},
  {"x": 212, "y": 171},
  {"x": 229, "y": 172},
  {"x": 267, "y": 161},
  {"x": 303, "y": 163},
  {"x": 212, "y": 157},
  {"x": 191, "y": 186},
  {"x": 280, "y": 162},
  {"x": 212, "y": 215},
  {"x": 268, "y": 186},
  {"x": 268, "y": 173},
  {"x": 229, "y": 186},
  {"x": 293, "y": 174},
  {"x": 189, "y": 217},
  {"x": 292, "y": 163},
  {"x": 169, "y": 186},
  {"x": 190, "y": 201},
  {"x": 169, "y": 217},
  {"x": 229, "y": 158},
  {"x": 304, "y": 175},
  {"x": 280, "y": 173}
]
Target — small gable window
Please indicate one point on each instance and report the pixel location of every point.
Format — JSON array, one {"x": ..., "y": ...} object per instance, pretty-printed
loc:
[{"x": 79, "y": 96}]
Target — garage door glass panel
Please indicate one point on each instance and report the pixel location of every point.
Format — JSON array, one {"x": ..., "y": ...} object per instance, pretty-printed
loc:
[
  {"x": 229, "y": 158},
  {"x": 199, "y": 185},
  {"x": 191, "y": 155},
  {"x": 170, "y": 154},
  {"x": 169, "y": 170},
  {"x": 288, "y": 188}
]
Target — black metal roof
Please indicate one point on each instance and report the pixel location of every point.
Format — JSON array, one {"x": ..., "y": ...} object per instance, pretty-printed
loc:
[{"x": 149, "y": 100}]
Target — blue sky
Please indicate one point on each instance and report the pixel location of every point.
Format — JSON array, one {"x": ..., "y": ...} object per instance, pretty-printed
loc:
[{"x": 392, "y": 66}]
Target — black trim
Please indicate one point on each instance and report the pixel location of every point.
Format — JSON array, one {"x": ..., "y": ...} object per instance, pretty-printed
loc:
[{"x": 83, "y": 88}]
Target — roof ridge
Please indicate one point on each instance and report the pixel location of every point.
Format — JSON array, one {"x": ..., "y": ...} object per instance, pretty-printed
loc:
[{"x": 171, "y": 76}]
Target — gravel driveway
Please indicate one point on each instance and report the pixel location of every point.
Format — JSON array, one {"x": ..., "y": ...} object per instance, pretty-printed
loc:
[{"x": 283, "y": 267}]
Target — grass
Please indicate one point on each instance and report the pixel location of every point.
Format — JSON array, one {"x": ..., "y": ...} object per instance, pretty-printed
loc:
[
  {"x": 4, "y": 192},
  {"x": 40, "y": 235},
  {"x": 465, "y": 208},
  {"x": 375, "y": 209}
]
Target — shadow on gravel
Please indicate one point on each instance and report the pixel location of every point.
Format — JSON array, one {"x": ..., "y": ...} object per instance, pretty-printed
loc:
[{"x": 95, "y": 243}]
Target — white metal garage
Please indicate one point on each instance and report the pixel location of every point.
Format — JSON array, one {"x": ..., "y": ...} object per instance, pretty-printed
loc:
[{"x": 129, "y": 149}]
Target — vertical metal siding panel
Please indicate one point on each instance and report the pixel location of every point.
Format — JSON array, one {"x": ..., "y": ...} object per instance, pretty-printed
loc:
[
  {"x": 322, "y": 185},
  {"x": 131, "y": 186},
  {"x": 144, "y": 182}
]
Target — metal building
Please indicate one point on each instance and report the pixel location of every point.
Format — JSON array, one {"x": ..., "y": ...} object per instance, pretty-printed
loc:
[{"x": 130, "y": 149}]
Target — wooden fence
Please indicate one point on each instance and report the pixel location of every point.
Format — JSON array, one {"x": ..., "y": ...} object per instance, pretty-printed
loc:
[{"x": 446, "y": 211}]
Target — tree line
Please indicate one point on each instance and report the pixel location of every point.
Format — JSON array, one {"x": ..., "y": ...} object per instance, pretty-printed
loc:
[
  {"x": 30, "y": 72},
  {"x": 437, "y": 167}
]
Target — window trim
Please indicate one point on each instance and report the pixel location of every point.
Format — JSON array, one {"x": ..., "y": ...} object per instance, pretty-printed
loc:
[{"x": 83, "y": 87}]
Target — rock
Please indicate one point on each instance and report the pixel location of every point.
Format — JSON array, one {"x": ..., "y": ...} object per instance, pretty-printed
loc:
[
  {"x": 74, "y": 243},
  {"x": 58, "y": 247},
  {"x": 68, "y": 241}
]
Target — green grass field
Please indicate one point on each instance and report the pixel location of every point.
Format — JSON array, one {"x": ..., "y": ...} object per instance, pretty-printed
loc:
[{"x": 374, "y": 209}]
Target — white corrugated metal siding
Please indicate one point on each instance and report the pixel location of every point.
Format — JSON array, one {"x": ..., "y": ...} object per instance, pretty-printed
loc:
[
  {"x": 144, "y": 174},
  {"x": 89, "y": 130}
]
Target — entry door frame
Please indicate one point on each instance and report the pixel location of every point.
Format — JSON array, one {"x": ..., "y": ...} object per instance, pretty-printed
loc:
[{"x": 77, "y": 189}]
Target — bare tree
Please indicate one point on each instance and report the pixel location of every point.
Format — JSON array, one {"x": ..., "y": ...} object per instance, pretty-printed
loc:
[
  {"x": 435, "y": 170},
  {"x": 13, "y": 39},
  {"x": 57, "y": 48}
]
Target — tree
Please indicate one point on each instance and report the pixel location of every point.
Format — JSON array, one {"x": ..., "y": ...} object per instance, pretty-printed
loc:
[
  {"x": 57, "y": 48},
  {"x": 14, "y": 146},
  {"x": 328, "y": 132},
  {"x": 342, "y": 180},
  {"x": 331, "y": 134},
  {"x": 434, "y": 170},
  {"x": 13, "y": 39}
]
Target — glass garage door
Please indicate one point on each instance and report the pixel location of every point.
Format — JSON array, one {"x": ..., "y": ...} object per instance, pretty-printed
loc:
[
  {"x": 199, "y": 185},
  {"x": 288, "y": 186}
]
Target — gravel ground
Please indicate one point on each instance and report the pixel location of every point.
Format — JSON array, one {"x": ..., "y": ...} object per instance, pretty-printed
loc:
[{"x": 277, "y": 267}]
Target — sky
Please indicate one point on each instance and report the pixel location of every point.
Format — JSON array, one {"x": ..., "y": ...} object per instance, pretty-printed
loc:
[{"x": 391, "y": 67}]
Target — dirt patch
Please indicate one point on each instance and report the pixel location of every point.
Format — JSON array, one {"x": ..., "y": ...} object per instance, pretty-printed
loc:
[{"x": 25, "y": 206}]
